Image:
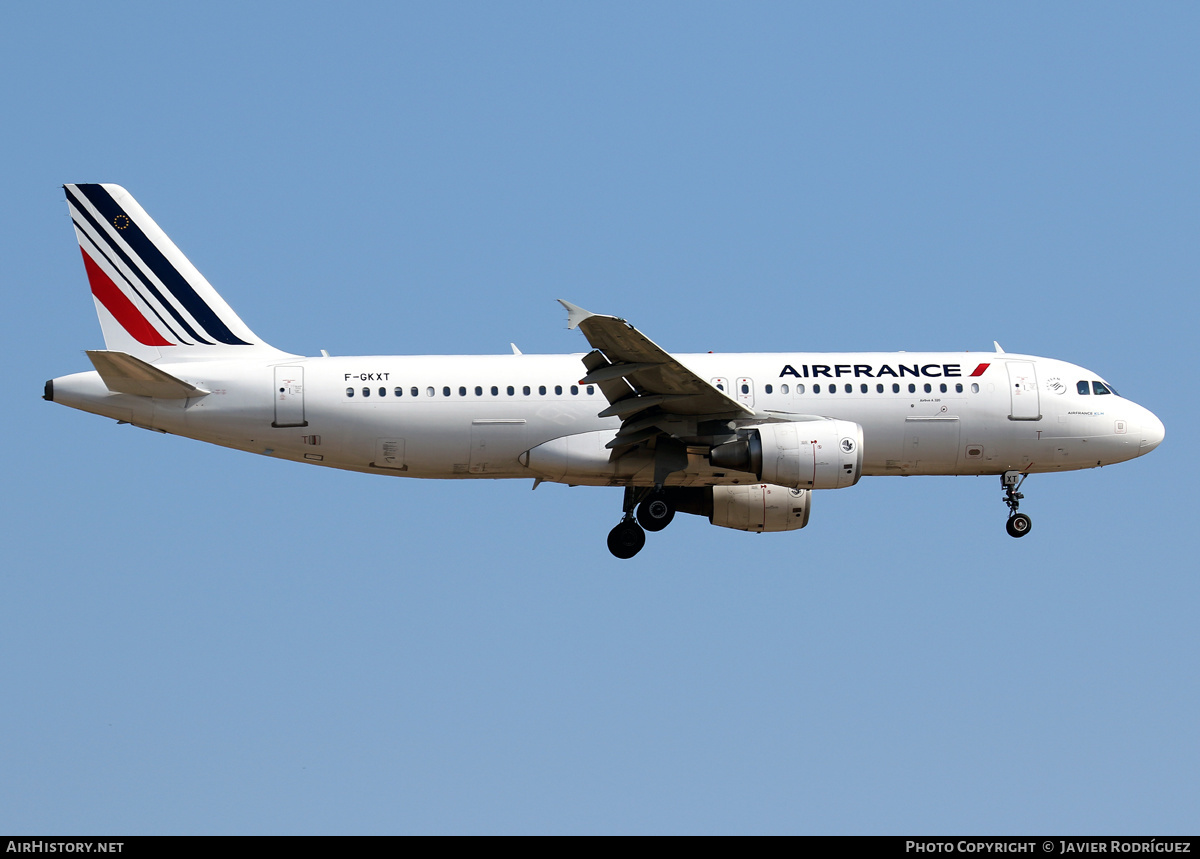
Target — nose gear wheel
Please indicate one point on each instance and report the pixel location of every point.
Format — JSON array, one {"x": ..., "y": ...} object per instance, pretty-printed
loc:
[{"x": 1018, "y": 524}]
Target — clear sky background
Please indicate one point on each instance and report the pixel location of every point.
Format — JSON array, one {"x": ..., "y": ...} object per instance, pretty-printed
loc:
[{"x": 196, "y": 640}]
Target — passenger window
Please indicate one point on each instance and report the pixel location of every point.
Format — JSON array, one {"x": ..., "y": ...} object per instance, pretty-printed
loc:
[
  {"x": 366, "y": 392},
  {"x": 928, "y": 388},
  {"x": 446, "y": 391},
  {"x": 974, "y": 387},
  {"x": 525, "y": 390},
  {"x": 958, "y": 388},
  {"x": 943, "y": 387},
  {"x": 745, "y": 389},
  {"x": 879, "y": 389},
  {"x": 414, "y": 391},
  {"x": 849, "y": 388},
  {"x": 767, "y": 389},
  {"x": 558, "y": 390},
  {"x": 863, "y": 387},
  {"x": 895, "y": 388},
  {"x": 833, "y": 389},
  {"x": 783, "y": 389},
  {"x": 1098, "y": 388},
  {"x": 816, "y": 389},
  {"x": 383, "y": 392},
  {"x": 495, "y": 391},
  {"x": 479, "y": 390},
  {"x": 349, "y": 392},
  {"x": 799, "y": 389},
  {"x": 591, "y": 389},
  {"x": 1082, "y": 387},
  {"x": 462, "y": 390},
  {"x": 542, "y": 390},
  {"x": 511, "y": 390},
  {"x": 912, "y": 389},
  {"x": 574, "y": 390},
  {"x": 399, "y": 392}
]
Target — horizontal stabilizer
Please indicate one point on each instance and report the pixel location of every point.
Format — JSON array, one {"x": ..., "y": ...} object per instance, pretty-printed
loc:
[{"x": 125, "y": 374}]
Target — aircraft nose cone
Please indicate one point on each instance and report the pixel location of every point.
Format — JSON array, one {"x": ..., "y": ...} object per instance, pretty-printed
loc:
[{"x": 1153, "y": 433}]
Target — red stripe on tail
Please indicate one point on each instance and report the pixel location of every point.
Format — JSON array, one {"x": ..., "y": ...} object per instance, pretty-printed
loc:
[{"x": 122, "y": 309}]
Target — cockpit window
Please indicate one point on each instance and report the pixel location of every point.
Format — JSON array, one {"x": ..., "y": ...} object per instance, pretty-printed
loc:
[
  {"x": 1082, "y": 387},
  {"x": 1098, "y": 388}
]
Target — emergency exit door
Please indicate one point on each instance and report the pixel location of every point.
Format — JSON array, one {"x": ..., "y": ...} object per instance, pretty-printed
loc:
[{"x": 745, "y": 392}]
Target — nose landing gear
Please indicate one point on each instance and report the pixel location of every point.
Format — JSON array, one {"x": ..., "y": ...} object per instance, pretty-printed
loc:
[
  {"x": 654, "y": 512},
  {"x": 1018, "y": 524}
]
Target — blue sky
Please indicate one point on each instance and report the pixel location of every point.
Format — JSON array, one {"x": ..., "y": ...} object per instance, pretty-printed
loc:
[{"x": 197, "y": 640}]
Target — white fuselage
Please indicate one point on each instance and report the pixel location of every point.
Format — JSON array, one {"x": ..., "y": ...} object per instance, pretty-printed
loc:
[
  {"x": 742, "y": 439},
  {"x": 508, "y": 416}
]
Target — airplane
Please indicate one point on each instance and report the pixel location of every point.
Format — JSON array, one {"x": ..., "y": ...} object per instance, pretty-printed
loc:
[{"x": 741, "y": 439}]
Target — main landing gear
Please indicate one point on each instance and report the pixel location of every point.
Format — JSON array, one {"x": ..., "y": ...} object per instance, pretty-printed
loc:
[
  {"x": 654, "y": 512},
  {"x": 1018, "y": 524}
]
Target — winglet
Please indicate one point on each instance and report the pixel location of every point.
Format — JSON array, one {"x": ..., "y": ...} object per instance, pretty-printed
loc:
[
  {"x": 575, "y": 314},
  {"x": 997, "y": 345}
]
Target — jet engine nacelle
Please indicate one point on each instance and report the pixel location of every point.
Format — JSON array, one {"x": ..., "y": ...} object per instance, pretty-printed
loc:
[
  {"x": 823, "y": 454},
  {"x": 760, "y": 507}
]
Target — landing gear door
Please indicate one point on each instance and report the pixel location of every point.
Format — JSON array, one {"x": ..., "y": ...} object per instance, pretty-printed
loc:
[
  {"x": 289, "y": 397},
  {"x": 1023, "y": 389}
]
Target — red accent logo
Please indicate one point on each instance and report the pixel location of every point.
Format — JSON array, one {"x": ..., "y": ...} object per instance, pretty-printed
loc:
[
  {"x": 122, "y": 309},
  {"x": 979, "y": 370}
]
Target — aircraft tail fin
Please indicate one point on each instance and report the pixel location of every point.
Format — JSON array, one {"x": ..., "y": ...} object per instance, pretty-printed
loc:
[{"x": 152, "y": 302}]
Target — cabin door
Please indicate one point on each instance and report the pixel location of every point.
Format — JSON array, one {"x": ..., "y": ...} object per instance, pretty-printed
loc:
[
  {"x": 289, "y": 397},
  {"x": 1023, "y": 390}
]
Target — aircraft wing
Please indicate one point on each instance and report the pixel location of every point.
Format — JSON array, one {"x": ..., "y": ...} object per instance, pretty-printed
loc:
[{"x": 648, "y": 389}]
